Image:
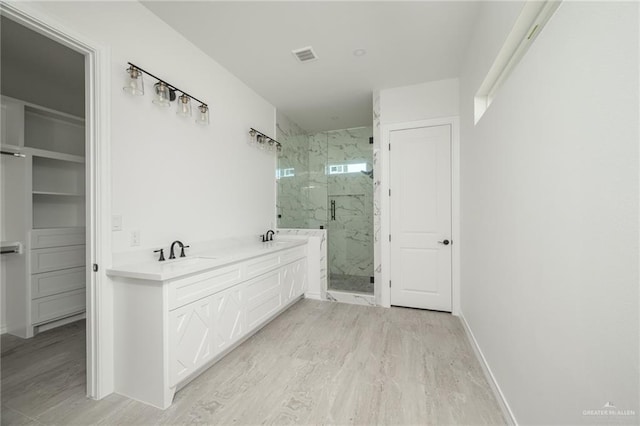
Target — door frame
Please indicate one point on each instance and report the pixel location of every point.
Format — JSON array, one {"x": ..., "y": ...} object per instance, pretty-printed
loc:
[
  {"x": 385, "y": 205},
  {"x": 99, "y": 369}
]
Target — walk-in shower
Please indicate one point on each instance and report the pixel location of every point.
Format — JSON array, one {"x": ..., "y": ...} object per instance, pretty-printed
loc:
[{"x": 325, "y": 181}]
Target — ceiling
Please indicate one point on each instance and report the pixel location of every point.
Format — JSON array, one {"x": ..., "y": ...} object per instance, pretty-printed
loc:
[{"x": 405, "y": 42}]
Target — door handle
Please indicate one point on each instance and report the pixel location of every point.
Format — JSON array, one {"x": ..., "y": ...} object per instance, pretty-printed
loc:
[{"x": 444, "y": 242}]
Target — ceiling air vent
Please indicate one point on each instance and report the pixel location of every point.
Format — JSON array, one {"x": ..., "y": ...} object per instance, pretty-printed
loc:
[{"x": 306, "y": 54}]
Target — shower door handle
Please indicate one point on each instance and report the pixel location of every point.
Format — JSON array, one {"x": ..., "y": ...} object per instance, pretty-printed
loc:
[{"x": 333, "y": 209}]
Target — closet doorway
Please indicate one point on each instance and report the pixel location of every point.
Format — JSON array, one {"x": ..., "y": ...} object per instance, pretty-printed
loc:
[{"x": 51, "y": 223}]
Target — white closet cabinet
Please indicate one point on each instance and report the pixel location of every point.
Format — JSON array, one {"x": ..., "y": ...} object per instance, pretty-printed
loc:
[{"x": 43, "y": 209}]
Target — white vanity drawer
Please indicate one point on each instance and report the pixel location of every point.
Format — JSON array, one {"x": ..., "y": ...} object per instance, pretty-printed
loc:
[
  {"x": 57, "y": 282},
  {"x": 52, "y": 259},
  {"x": 262, "y": 264},
  {"x": 57, "y": 306},
  {"x": 187, "y": 290},
  {"x": 293, "y": 254},
  {"x": 263, "y": 298},
  {"x": 45, "y": 238}
]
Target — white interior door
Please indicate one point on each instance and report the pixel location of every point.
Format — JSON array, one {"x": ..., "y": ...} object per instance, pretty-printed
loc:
[{"x": 420, "y": 182}]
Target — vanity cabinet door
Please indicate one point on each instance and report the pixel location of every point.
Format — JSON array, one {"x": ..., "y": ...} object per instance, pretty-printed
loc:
[
  {"x": 191, "y": 338},
  {"x": 230, "y": 317},
  {"x": 287, "y": 283},
  {"x": 299, "y": 273},
  {"x": 294, "y": 280}
]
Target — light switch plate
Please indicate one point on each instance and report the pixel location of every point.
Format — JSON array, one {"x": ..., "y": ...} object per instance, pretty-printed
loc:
[
  {"x": 135, "y": 238},
  {"x": 116, "y": 222}
]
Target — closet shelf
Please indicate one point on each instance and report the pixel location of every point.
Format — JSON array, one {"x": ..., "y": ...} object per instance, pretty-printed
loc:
[
  {"x": 54, "y": 193},
  {"x": 53, "y": 228},
  {"x": 36, "y": 152}
]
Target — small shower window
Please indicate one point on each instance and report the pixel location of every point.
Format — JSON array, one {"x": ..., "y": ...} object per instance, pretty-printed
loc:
[
  {"x": 337, "y": 169},
  {"x": 282, "y": 173}
]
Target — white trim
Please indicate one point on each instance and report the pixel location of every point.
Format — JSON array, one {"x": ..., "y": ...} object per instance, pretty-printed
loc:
[
  {"x": 60, "y": 322},
  {"x": 532, "y": 19},
  {"x": 493, "y": 383},
  {"x": 314, "y": 296},
  {"x": 97, "y": 116},
  {"x": 385, "y": 208},
  {"x": 3, "y": 329}
]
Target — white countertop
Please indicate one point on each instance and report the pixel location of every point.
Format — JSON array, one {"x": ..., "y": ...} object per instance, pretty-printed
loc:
[{"x": 200, "y": 260}]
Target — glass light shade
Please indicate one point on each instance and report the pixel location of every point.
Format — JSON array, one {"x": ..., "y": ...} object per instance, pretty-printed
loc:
[
  {"x": 263, "y": 142},
  {"x": 203, "y": 115},
  {"x": 184, "y": 106},
  {"x": 163, "y": 96},
  {"x": 133, "y": 82}
]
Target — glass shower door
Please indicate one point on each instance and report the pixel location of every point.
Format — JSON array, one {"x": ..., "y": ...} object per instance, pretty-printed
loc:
[{"x": 349, "y": 190}]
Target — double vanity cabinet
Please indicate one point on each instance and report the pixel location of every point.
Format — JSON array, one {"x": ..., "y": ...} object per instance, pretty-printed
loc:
[{"x": 176, "y": 318}]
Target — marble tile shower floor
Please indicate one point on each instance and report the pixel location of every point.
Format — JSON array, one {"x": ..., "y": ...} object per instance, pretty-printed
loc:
[
  {"x": 351, "y": 283},
  {"x": 317, "y": 363}
]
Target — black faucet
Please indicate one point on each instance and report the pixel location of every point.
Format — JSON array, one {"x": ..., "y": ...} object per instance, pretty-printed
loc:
[
  {"x": 269, "y": 237},
  {"x": 172, "y": 254},
  {"x": 161, "y": 251}
]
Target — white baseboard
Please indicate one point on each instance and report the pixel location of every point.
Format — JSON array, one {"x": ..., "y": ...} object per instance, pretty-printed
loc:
[
  {"x": 502, "y": 401},
  {"x": 315, "y": 296},
  {"x": 60, "y": 322}
]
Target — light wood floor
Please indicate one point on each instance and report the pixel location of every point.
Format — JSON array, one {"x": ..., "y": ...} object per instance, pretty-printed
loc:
[{"x": 318, "y": 363}]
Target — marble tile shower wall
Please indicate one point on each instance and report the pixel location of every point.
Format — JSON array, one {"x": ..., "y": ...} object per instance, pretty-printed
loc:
[
  {"x": 317, "y": 202},
  {"x": 377, "y": 200},
  {"x": 306, "y": 189}
]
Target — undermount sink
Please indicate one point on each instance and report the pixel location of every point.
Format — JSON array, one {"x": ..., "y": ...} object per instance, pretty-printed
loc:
[
  {"x": 183, "y": 263},
  {"x": 272, "y": 244}
]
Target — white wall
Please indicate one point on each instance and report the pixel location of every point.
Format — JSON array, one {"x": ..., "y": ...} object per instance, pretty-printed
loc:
[
  {"x": 172, "y": 179},
  {"x": 392, "y": 108},
  {"x": 423, "y": 101},
  {"x": 550, "y": 213}
]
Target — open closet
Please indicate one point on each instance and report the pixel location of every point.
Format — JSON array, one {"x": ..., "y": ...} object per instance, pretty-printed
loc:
[{"x": 43, "y": 183}]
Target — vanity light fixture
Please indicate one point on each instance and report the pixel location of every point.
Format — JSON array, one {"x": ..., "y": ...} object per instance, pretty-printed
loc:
[
  {"x": 133, "y": 83},
  {"x": 164, "y": 94},
  {"x": 263, "y": 141},
  {"x": 203, "y": 115},
  {"x": 184, "y": 106}
]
